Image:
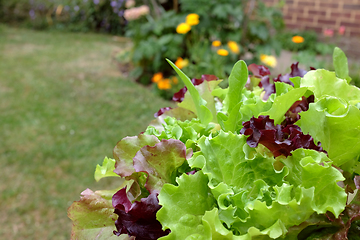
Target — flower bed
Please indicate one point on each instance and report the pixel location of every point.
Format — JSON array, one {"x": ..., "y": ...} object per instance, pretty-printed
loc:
[{"x": 264, "y": 159}]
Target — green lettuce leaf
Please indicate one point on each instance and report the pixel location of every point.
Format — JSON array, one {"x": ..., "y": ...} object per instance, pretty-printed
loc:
[
  {"x": 183, "y": 207},
  {"x": 106, "y": 170},
  {"x": 282, "y": 104},
  {"x": 324, "y": 83},
  {"x": 201, "y": 109},
  {"x": 335, "y": 124},
  {"x": 341, "y": 64}
]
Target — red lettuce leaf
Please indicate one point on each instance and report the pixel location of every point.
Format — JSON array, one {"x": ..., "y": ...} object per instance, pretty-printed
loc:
[
  {"x": 258, "y": 71},
  {"x": 179, "y": 96},
  {"x": 292, "y": 115},
  {"x": 279, "y": 139},
  {"x": 161, "y": 111},
  {"x": 137, "y": 219},
  {"x": 160, "y": 162}
]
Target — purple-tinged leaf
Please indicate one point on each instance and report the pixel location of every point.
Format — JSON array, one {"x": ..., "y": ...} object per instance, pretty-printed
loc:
[
  {"x": 180, "y": 95},
  {"x": 259, "y": 71},
  {"x": 137, "y": 219},
  {"x": 124, "y": 152},
  {"x": 162, "y": 111},
  {"x": 279, "y": 139},
  {"x": 160, "y": 162},
  {"x": 357, "y": 182},
  {"x": 126, "y": 149},
  {"x": 92, "y": 216}
]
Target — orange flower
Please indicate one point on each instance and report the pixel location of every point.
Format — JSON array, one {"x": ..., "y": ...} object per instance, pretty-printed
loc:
[
  {"x": 183, "y": 28},
  {"x": 192, "y": 19},
  {"x": 157, "y": 77},
  {"x": 234, "y": 47},
  {"x": 180, "y": 63},
  {"x": 175, "y": 80},
  {"x": 216, "y": 43},
  {"x": 164, "y": 84},
  {"x": 297, "y": 39},
  {"x": 222, "y": 52}
]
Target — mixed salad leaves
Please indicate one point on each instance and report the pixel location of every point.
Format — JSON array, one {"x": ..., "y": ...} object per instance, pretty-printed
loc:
[{"x": 261, "y": 159}]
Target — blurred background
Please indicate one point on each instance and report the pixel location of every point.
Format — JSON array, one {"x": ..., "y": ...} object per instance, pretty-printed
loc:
[{"x": 76, "y": 76}]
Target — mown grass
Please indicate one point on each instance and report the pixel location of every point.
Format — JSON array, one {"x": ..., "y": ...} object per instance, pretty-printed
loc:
[{"x": 63, "y": 107}]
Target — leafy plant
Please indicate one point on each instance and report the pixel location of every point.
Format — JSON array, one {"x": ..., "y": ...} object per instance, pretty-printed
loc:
[
  {"x": 206, "y": 33},
  {"x": 231, "y": 164}
]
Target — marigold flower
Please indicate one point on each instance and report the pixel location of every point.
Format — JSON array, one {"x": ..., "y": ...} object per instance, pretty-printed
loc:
[
  {"x": 192, "y": 19},
  {"x": 175, "y": 80},
  {"x": 234, "y": 47},
  {"x": 181, "y": 63},
  {"x": 157, "y": 77},
  {"x": 216, "y": 43},
  {"x": 297, "y": 39},
  {"x": 222, "y": 52},
  {"x": 164, "y": 84},
  {"x": 183, "y": 28},
  {"x": 268, "y": 60}
]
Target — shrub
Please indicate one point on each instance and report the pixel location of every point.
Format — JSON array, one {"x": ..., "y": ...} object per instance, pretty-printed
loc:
[
  {"x": 73, "y": 15},
  {"x": 209, "y": 34}
]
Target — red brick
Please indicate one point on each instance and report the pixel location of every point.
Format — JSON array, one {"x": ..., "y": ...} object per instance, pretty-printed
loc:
[
  {"x": 354, "y": 34},
  {"x": 340, "y": 14},
  {"x": 302, "y": 4},
  {"x": 293, "y": 26},
  {"x": 329, "y": 5},
  {"x": 316, "y": 29},
  {"x": 304, "y": 19},
  {"x": 350, "y": 24},
  {"x": 352, "y": 6},
  {"x": 293, "y": 10},
  {"x": 327, "y": 22},
  {"x": 315, "y": 12}
]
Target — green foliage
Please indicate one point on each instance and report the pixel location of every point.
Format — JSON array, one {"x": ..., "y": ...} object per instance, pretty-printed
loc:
[
  {"x": 71, "y": 15},
  {"x": 156, "y": 37},
  {"x": 232, "y": 189}
]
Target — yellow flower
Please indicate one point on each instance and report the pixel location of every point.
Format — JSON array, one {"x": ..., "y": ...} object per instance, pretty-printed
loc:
[
  {"x": 222, "y": 52},
  {"x": 234, "y": 47},
  {"x": 164, "y": 84},
  {"x": 180, "y": 63},
  {"x": 175, "y": 80},
  {"x": 216, "y": 43},
  {"x": 192, "y": 19},
  {"x": 183, "y": 28},
  {"x": 268, "y": 60},
  {"x": 297, "y": 39},
  {"x": 157, "y": 77}
]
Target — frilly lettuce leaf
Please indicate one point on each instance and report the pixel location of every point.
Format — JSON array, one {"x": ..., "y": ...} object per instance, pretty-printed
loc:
[
  {"x": 93, "y": 216},
  {"x": 160, "y": 162},
  {"x": 106, "y": 170},
  {"x": 126, "y": 149},
  {"x": 324, "y": 83},
  {"x": 184, "y": 205},
  {"x": 255, "y": 198},
  {"x": 282, "y": 104},
  {"x": 334, "y": 123}
]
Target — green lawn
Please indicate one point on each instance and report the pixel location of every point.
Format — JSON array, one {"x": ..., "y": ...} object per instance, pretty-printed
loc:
[{"x": 63, "y": 107}]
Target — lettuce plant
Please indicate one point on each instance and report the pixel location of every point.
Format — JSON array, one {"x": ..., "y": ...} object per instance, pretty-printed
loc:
[{"x": 237, "y": 163}]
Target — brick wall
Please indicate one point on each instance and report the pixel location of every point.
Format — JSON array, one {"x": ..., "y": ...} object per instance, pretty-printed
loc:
[{"x": 321, "y": 15}]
